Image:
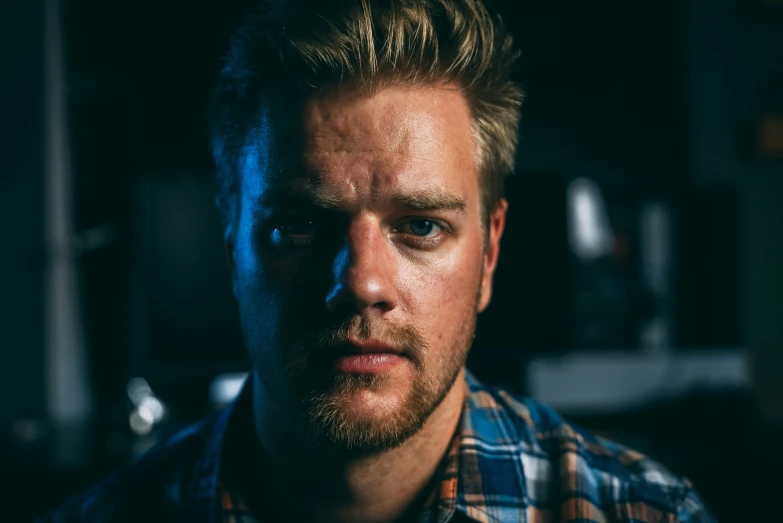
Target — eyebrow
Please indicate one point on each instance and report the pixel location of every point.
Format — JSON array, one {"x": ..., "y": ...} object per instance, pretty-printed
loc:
[
  {"x": 430, "y": 200},
  {"x": 420, "y": 200}
]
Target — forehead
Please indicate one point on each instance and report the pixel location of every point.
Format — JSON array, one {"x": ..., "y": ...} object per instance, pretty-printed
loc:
[{"x": 362, "y": 147}]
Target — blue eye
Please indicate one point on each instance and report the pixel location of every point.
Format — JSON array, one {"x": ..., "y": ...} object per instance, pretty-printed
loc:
[{"x": 421, "y": 227}]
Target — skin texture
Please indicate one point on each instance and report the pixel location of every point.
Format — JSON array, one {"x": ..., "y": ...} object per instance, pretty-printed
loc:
[{"x": 359, "y": 217}]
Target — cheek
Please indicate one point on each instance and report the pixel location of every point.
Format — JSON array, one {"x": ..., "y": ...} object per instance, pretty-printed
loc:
[
  {"x": 440, "y": 295},
  {"x": 286, "y": 272}
]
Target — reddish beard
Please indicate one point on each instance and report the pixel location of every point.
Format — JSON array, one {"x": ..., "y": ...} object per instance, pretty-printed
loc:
[{"x": 327, "y": 395}]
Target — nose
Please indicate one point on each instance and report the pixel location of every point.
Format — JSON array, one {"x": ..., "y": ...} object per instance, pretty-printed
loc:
[{"x": 364, "y": 272}]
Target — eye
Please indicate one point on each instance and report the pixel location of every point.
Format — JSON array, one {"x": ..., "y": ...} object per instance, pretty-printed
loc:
[
  {"x": 297, "y": 226},
  {"x": 421, "y": 227},
  {"x": 293, "y": 231}
]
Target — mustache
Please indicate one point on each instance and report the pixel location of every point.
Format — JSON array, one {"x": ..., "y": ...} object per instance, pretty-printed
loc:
[{"x": 406, "y": 337}]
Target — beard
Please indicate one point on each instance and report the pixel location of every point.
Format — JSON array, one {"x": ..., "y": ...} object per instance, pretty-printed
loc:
[
  {"x": 321, "y": 402},
  {"x": 327, "y": 397}
]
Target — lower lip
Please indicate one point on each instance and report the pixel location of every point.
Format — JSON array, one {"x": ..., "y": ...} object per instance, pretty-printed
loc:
[{"x": 368, "y": 363}]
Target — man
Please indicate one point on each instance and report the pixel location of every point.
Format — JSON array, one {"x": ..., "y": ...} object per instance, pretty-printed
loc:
[{"x": 361, "y": 148}]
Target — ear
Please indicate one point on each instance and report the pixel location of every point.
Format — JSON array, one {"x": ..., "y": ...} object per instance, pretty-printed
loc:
[
  {"x": 228, "y": 244},
  {"x": 497, "y": 222}
]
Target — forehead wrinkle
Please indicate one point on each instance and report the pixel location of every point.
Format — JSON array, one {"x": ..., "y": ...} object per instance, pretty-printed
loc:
[
  {"x": 357, "y": 145},
  {"x": 389, "y": 182},
  {"x": 302, "y": 189}
]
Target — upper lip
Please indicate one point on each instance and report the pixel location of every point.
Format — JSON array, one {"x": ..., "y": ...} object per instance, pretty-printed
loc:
[{"x": 370, "y": 346}]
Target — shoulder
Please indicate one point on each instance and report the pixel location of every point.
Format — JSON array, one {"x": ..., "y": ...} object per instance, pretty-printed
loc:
[
  {"x": 150, "y": 488},
  {"x": 561, "y": 461}
]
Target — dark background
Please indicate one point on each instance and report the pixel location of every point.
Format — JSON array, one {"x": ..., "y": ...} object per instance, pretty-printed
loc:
[{"x": 668, "y": 338}]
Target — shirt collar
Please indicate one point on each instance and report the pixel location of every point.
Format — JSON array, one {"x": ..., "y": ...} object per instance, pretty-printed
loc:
[{"x": 484, "y": 477}]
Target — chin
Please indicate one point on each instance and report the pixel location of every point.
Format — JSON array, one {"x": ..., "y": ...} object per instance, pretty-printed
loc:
[
  {"x": 367, "y": 414},
  {"x": 369, "y": 396},
  {"x": 366, "y": 403}
]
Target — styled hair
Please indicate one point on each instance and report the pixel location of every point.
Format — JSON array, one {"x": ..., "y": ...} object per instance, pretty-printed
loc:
[{"x": 312, "y": 46}]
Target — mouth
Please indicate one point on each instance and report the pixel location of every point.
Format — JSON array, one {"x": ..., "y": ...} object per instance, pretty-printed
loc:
[
  {"x": 370, "y": 346},
  {"x": 368, "y": 357}
]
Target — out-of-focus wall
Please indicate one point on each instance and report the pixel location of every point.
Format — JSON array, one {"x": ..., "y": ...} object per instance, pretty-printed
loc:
[
  {"x": 730, "y": 69},
  {"x": 763, "y": 279},
  {"x": 22, "y": 157}
]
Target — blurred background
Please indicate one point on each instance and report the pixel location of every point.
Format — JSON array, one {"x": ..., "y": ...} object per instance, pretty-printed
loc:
[{"x": 639, "y": 290}]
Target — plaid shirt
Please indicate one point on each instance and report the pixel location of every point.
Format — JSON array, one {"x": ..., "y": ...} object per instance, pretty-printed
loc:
[{"x": 513, "y": 459}]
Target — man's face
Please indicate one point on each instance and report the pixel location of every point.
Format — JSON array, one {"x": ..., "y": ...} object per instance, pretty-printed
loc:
[{"x": 360, "y": 261}]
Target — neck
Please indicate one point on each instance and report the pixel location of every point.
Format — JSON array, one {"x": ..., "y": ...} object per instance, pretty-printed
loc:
[{"x": 382, "y": 487}]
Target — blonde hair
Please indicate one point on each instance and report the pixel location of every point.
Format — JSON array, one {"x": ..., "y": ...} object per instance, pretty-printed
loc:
[{"x": 315, "y": 45}]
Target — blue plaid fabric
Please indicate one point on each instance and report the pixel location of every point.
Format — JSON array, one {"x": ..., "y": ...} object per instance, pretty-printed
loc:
[{"x": 513, "y": 459}]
